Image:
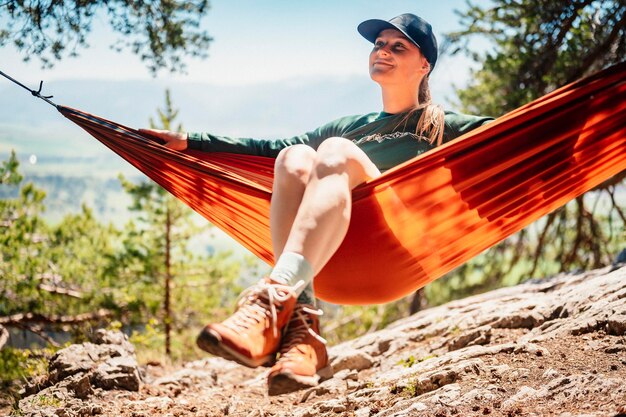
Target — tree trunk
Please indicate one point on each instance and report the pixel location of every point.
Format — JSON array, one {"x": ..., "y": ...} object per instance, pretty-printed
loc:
[
  {"x": 418, "y": 302},
  {"x": 168, "y": 279}
]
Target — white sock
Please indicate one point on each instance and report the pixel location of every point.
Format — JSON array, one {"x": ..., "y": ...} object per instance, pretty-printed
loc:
[{"x": 291, "y": 268}]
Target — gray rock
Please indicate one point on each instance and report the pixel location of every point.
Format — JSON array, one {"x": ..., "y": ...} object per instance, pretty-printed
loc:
[
  {"x": 80, "y": 386},
  {"x": 374, "y": 344},
  {"x": 80, "y": 359},
  {"x": 117, "y": 373},
  {"x": 363, "y": 412},
  {"x": 347, "y": 374},
  {"x": 525, "y": 394},
  {"x": 351, "y": 359},
  {"x": 74, "y": 373},
  {"x": 531, "y": 348},
  {"x": 478, "y": 395},
  {"x": 478, "y": 336},
  {"x": 616, "y": 324},
  {"x": 499, "y": 371},
  {"x": 551, "y": 374},
  {"x": 336, "y": 406},
  {"x": 111, "y": 337},
  {"x": 519, "y": 320}
]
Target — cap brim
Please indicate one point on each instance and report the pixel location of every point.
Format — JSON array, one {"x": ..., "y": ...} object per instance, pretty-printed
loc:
[{"x": 370, "y": 29}]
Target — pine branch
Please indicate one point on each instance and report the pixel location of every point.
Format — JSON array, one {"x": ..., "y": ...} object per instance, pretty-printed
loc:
[
  {"x": 542, "y": 238},
  {"x": 579, "y": 233},
  {"x": 59, "y": 290},
  {"x": 21, "y": 318},
  {"x": 39, "y": 332},
  {"x": 615, "y": 205},
  {"x": 596, "y": 53},
  {"x": 378, "y": 319},
  {"x": 4, "y": 336},
  {"x": 545, "y": 63},
  {"x": 517, "y": 252}
]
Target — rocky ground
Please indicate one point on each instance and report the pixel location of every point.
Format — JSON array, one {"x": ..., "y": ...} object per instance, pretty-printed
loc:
[{"x": 554, "y": 347}]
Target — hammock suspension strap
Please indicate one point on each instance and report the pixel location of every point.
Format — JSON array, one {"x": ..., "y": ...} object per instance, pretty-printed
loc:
[{"x": 36, "y": 93}]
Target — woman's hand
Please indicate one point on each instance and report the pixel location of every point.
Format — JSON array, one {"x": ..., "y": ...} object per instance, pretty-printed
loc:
[{"x": 173, "y": 140}]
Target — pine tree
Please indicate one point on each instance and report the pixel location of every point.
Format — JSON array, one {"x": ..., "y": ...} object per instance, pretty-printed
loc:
[{"x": 159, "y": 243}]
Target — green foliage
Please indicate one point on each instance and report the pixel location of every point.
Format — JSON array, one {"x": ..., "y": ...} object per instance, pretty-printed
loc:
[
  {"x": 39, "y": 263},
  {"x": 80, "y": 266},
  {"x": 537, "y": 46},
  {"x": 167, "y": 116},
  {"x": 159, "y": 32},
  {"x": 20, "y": 364},
  {"x": 8, "y": 172},
  {"x": 23, "y": 238}
]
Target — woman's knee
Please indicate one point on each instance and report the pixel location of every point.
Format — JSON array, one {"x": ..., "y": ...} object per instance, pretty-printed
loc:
[
  {"x": 294, "y": 163},
  {"x": 340, "y": 155}
]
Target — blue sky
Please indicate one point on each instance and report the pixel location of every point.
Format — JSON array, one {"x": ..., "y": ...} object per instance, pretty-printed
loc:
[{"x": 260, "y": 41}]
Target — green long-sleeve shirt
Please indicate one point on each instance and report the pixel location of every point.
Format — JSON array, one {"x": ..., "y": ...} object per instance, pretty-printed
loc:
[{"x": 387, "y": 139}]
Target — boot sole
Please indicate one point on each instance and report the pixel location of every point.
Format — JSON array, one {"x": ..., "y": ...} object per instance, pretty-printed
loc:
[
  {"x": 286, "y": 382},
  {"x": 211, "y": 341}
]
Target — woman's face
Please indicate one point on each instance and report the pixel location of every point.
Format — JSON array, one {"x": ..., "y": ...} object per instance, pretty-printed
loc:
[{"x": 397, "y": 60}]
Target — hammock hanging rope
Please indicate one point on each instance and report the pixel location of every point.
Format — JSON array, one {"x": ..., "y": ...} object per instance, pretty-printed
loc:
[{"x": 427, "y": 216}]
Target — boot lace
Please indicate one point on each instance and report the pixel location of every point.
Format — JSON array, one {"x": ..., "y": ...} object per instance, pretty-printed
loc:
[
  {"x": 297, "y": 333},
  {"x": 259, "y": 303}
]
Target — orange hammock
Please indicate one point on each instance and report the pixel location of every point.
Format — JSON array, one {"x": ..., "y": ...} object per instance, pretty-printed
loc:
[{"x": 427, "y": 216}]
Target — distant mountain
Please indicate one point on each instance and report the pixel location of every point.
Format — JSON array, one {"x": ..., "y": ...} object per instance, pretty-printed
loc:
[
  {"x": 66, "y": 194},
  {"x": 276, "y": 109}
]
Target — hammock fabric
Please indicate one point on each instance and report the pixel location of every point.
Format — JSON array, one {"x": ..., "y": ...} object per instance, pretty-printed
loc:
[{"x": 427, "y": 216}]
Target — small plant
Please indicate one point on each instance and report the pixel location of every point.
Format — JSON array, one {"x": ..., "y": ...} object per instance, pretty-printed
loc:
[
  {"x": 410, "y": 389},
  {"x": 47, "y": 401},
  {"x": 115, "y": 325},
  {"x": 410, "y": 361}
]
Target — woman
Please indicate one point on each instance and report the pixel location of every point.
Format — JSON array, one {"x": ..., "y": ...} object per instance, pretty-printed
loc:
[{"x": 311, "y": 200}]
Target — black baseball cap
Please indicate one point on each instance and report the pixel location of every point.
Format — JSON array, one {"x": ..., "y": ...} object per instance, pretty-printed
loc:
[{"x": 416, "y": 29}]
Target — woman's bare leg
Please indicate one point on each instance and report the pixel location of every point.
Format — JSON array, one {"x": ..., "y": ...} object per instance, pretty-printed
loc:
[
  {"x": 323, "y": 215},
  {"x": 291, "y": 174}
]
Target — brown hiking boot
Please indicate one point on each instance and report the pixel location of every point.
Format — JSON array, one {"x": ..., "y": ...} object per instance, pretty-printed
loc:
[
  {"x": 251, "y": 336},
  {"x": 303, "y": 360}
]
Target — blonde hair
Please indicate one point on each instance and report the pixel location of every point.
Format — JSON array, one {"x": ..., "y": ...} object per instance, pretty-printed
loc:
[{"x": 431, "y": 122}]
